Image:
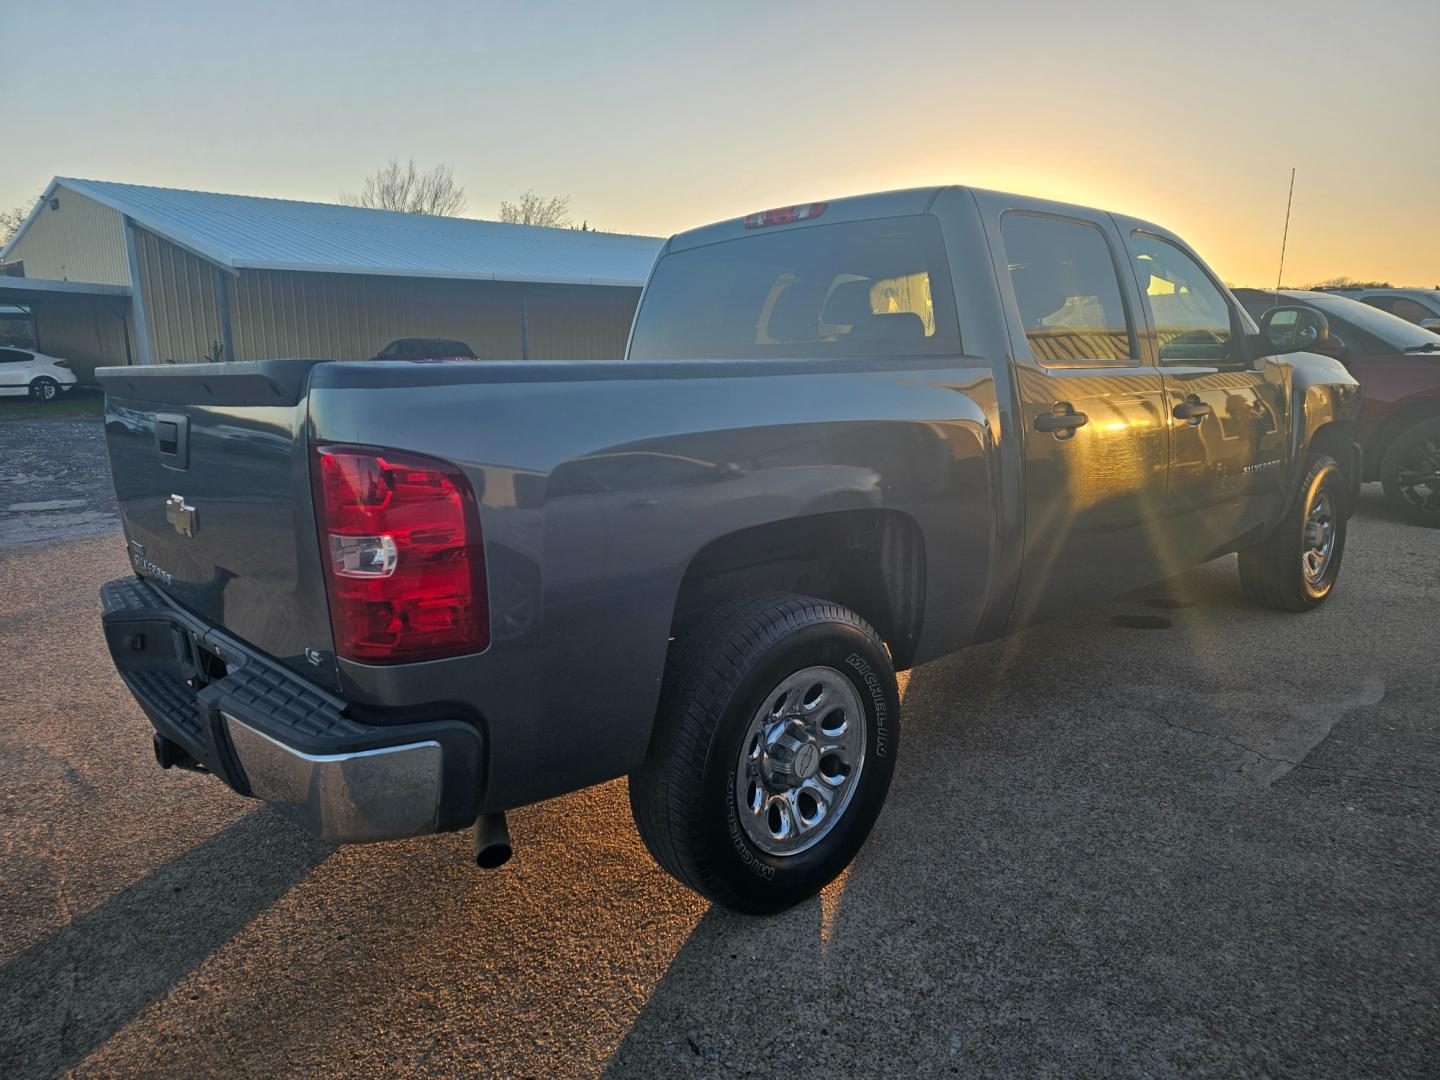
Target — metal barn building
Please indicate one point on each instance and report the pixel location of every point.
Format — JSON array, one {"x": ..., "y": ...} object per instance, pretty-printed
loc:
[{"x": 127, "y": 274}]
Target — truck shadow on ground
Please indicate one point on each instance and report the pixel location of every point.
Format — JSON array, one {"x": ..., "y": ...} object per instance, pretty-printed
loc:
[{"x": 70, "y": 992}]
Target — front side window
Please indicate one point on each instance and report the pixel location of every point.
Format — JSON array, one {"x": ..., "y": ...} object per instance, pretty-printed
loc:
[
  {"x": 1192, "y": 319},
  {"x": 1067, "y": 291},
  {"x": 863, "y": 288}
]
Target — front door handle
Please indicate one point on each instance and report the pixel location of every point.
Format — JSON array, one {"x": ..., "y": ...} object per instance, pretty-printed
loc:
[
  {"x": 1062, "y": 419},
  {"x": 1192, "y": 409}
]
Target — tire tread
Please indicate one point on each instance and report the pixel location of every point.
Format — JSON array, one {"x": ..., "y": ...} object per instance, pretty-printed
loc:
[{"x": 705, "y": 663}]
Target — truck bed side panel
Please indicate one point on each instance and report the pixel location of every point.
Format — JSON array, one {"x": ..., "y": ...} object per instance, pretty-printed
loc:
[{"x": 598, "y": 485}]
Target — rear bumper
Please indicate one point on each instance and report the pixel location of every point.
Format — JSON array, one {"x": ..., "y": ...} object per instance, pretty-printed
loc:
[{"x": 273, "y": 736}]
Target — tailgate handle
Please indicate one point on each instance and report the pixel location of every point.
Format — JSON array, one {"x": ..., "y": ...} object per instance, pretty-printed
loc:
[{"x": 172, "y": 439}]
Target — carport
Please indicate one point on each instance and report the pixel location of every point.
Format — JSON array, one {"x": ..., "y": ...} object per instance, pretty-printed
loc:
[{"x": 84, "y": 322}]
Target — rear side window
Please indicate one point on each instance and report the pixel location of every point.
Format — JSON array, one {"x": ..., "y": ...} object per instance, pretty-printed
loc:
[
  {"x": 14, "y": 356},
  {"x": 1067, "y": 289},
  {"x": 865, "y": 288},
  {"x": 1409, "y": 310}
]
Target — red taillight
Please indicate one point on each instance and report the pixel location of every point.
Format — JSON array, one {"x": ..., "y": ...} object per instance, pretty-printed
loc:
[
  {"x": 60, "y": 363},
  {"x": 784, "y": 215},
  {"x": 400, "y": 537}
]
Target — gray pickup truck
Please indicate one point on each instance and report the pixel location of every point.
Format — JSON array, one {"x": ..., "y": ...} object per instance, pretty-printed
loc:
[{"x": 393, "y": 598}]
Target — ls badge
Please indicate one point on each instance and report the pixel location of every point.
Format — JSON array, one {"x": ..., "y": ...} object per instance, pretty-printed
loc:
[{"x": 181, "y": 515}]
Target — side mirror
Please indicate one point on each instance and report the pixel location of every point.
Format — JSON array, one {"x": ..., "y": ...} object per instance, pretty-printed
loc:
[{"x": 1293, "y": 329}]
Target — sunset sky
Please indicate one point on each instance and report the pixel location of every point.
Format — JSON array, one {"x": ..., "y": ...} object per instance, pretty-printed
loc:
[{"x": 655, "y": 118}]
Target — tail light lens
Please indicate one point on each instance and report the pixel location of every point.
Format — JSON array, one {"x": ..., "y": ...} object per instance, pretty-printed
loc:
[
  {"x": 400, "y": 535},
  {"x": 60, "y": 363}
]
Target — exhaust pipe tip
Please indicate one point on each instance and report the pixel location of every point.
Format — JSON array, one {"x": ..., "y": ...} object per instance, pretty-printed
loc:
[{"x": 492, "y": 841}]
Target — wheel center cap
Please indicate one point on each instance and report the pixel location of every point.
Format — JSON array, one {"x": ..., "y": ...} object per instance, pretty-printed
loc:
[{"x": 807, "y": 760}]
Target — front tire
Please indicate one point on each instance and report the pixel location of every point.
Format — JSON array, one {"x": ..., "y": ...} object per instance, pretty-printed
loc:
[
  {"x": 1410, "y": 473},
  {"x": 44, "y": 390},
  {"x": 1296, "y": 567},
  {"x": 773, "y": 751}
]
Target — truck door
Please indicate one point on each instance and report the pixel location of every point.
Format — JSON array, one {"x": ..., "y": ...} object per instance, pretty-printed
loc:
[
  {"x": 1092, "y": 412},
  {"x": 1226, "y": 414}
]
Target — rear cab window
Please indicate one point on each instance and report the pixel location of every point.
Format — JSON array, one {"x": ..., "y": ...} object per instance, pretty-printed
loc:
[
  {"x": 865, "y": 288},
  {"x": 1067, "y": 291}
]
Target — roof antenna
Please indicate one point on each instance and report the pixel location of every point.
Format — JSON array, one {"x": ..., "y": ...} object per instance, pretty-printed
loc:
[{"x": 1284, "y": 237}]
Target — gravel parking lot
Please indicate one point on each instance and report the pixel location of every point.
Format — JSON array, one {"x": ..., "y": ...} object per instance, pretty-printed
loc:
[{"x": 1206, "y": 847}]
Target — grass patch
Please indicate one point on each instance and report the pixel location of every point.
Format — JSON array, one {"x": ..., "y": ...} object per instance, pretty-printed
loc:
[{"x": 84, "y": 401}]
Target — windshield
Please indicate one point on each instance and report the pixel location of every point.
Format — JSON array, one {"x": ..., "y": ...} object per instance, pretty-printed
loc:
[{"x": 1391, "y": 329}]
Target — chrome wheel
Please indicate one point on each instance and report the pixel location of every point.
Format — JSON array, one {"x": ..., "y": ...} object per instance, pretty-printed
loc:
[
  {"x": 800, "y": 761},
  {"x": 44, "y": 390},
  {"x": 1318, "y": 545}
]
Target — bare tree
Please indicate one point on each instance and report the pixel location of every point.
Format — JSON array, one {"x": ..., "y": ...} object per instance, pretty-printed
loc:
[
  {"x": 533, "y": 209},
  {"x": 405, "y": 188},
  {"x": 1343, "y": 282},
  {"x": 11, "y": 220}
]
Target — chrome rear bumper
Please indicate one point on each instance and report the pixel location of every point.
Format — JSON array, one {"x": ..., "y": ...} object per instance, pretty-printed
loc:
[
  {"x": 353, "y": 798},
  {"x": 272, "y": 735}
]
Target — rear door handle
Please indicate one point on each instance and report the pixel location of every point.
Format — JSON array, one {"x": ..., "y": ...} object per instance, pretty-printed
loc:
[
  {"x": 1193, "y": 410},
  {"x": 1062, "y": 419}
]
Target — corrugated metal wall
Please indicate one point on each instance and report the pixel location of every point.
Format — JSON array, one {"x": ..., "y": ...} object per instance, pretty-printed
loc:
[
  {"x": 278, "y": 313},
  {"x": 89, "y": 331},
  {"x": 180, "y": 301},
  {"x": 81, "y": 241}
]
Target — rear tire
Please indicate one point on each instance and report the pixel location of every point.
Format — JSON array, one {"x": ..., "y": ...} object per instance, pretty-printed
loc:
[
  {"x": 773, "y": 750},
  {"x": 1410, "y": 473},
  {"x": 1296, "y": 567},
  {"x": 44, "y": 390}
]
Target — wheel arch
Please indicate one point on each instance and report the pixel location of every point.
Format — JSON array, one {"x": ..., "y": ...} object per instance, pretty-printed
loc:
[{"x": 871, "y": 561}]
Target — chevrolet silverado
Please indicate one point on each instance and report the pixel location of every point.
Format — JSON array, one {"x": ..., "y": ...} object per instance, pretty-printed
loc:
[{"x": 393, "y": 598}]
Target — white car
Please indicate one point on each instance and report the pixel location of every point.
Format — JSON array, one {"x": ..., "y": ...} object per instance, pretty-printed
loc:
[{"x": 25, "y": 372}]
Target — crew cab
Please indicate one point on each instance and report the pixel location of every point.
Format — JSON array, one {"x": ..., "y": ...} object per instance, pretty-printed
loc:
[{"x": 394, "y": 598}]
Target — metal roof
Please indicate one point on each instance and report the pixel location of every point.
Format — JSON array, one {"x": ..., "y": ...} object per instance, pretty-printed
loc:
[{"x": 246, "y": 232}]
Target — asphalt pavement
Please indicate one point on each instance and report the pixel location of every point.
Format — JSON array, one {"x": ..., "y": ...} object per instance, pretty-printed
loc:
[{"x": 1167, "y": 835}]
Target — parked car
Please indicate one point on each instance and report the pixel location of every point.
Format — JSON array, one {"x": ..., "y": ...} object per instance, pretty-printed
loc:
[
  {"x": 1398, "y": 365},
  {"x": 1419, "y": 306},
  {"x": 848, "y": 438},
  {"x": 28, "y": 373},
  {"x": 426, "y": 349}
]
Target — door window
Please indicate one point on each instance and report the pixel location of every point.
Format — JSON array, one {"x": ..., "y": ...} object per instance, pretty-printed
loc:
[
  {"x": 14, "y": 356},
  {"x": 1067, "y": 291},
  {"x": 1409, "y": 310},
  {"x": 1193, "y": 321}
]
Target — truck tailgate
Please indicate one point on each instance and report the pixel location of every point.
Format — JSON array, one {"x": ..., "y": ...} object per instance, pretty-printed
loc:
[{"x": 212, "y": 475}]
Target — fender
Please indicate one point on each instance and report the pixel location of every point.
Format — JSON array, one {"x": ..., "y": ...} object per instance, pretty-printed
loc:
[{"x": 1324, "y": 409}]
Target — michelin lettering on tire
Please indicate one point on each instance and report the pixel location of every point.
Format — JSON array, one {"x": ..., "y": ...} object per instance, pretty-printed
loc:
[
  {"x": 876, "y": 687},
  {"x": 737, "y": 837}
]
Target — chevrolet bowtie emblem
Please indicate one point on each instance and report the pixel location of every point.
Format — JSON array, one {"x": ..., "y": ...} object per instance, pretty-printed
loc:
[{"x": 181, "y": 516}]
